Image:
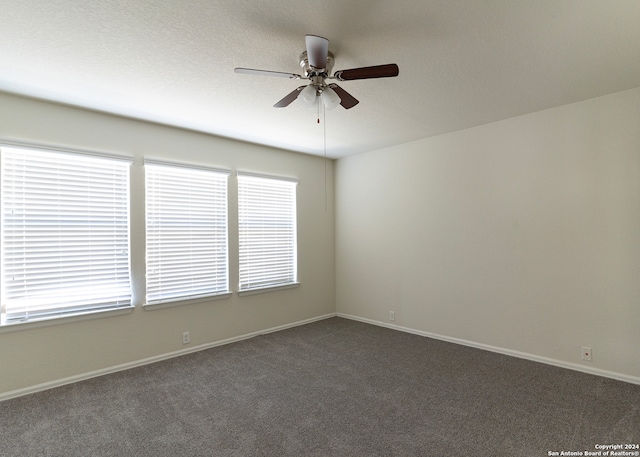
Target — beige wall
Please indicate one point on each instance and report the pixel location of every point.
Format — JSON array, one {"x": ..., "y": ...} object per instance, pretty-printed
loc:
[
  {"x": 522, "y": 236},
  {"x": 33, "y": 355}
]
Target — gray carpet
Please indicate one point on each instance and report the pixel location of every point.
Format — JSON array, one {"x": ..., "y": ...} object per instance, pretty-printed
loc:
[{"x": 331, "y": 388}]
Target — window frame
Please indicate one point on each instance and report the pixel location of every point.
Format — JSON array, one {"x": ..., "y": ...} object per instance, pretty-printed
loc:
[
  {"x": 194, "y": 170},
  {"x": 244, "y": 288},
  {"x": 40, "y": 159}
]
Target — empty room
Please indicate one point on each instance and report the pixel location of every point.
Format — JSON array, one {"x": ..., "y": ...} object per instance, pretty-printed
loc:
[{"x": 301, "y": 228}]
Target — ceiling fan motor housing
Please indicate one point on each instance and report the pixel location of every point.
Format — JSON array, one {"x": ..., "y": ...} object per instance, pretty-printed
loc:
[{"x": 309, "y": 71}]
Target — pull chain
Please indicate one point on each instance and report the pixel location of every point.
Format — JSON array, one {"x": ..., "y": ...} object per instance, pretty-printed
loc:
[{"x": 324, "y": 136}]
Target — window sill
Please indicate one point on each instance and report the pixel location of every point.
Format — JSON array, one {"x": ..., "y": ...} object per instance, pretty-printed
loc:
[
  {"x": 263, "y": 290},
  {"x": 63, "y": 319},
  {"x": 185, "y": 301}
]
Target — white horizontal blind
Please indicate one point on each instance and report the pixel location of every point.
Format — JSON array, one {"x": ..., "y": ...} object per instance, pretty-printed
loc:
[
  {"x": 267, "y": 232},
  {"x": 187, "y": 247},
  {"x": 65, "y": 234}
]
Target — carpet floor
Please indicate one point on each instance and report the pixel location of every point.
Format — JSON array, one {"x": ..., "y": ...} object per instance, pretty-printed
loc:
[{"x": 331, "y": 388}]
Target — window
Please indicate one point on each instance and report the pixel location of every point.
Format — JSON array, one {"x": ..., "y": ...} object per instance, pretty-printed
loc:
[
  {"x": 187, "y": 249},
  {"x": 65, "y": 234},
  {"x": 267, "y": 232}
]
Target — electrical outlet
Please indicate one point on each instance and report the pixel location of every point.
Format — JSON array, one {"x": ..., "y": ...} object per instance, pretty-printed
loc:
[
  {"x": 185, "y": 338},
  {"x": 586, "y": 353},
  {"x": 392, "y": 315}
]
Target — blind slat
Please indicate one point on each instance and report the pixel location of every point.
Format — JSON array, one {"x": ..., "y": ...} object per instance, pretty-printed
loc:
[
  {"x": 187, "y": 241},
  {"x": 65, "y": 234},
  {"x": 267, "y": 232}
]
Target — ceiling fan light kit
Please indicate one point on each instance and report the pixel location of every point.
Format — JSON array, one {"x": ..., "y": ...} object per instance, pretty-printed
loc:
[{"x": 317, "y": 63}]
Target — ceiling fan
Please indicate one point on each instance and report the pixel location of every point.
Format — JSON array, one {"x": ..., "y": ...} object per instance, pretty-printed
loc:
[{"x": 317, "y": 62}]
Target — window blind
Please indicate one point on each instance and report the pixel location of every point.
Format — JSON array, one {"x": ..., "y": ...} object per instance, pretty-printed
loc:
[
  {"x": 186, "y": 220},
  {"x": 65, "y": 234},
  {"x": 267, "y": 232}
]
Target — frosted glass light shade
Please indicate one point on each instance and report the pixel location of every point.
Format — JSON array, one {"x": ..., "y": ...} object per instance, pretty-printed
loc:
[
  {"x": 314, "y": 105},
  {"x": 330, "y": 98},
  {"x": 308, "y": 95}
]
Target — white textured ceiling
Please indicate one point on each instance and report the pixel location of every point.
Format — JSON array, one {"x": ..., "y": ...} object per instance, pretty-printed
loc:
[{"x": 462, "y": 62}]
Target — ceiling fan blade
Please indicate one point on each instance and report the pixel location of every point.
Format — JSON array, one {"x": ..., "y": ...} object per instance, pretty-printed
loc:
[
  {"x": 317, "y": 51},
  {"x": 377, "y": 71},
  {"x": 346, "y": 99},
  {"x": 289, "y": 98},
  {"x": 279, "y": 74}
]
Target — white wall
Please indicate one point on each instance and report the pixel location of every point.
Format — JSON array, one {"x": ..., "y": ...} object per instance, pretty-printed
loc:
[
  {"x": 32, "y": 355},
  {"x": 522, "y": 235}
]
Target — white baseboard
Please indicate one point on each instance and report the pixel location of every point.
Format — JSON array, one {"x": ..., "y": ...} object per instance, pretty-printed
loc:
[
  {"x": 499, "y": 350},
  {"x": 157, "y": 358}
]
